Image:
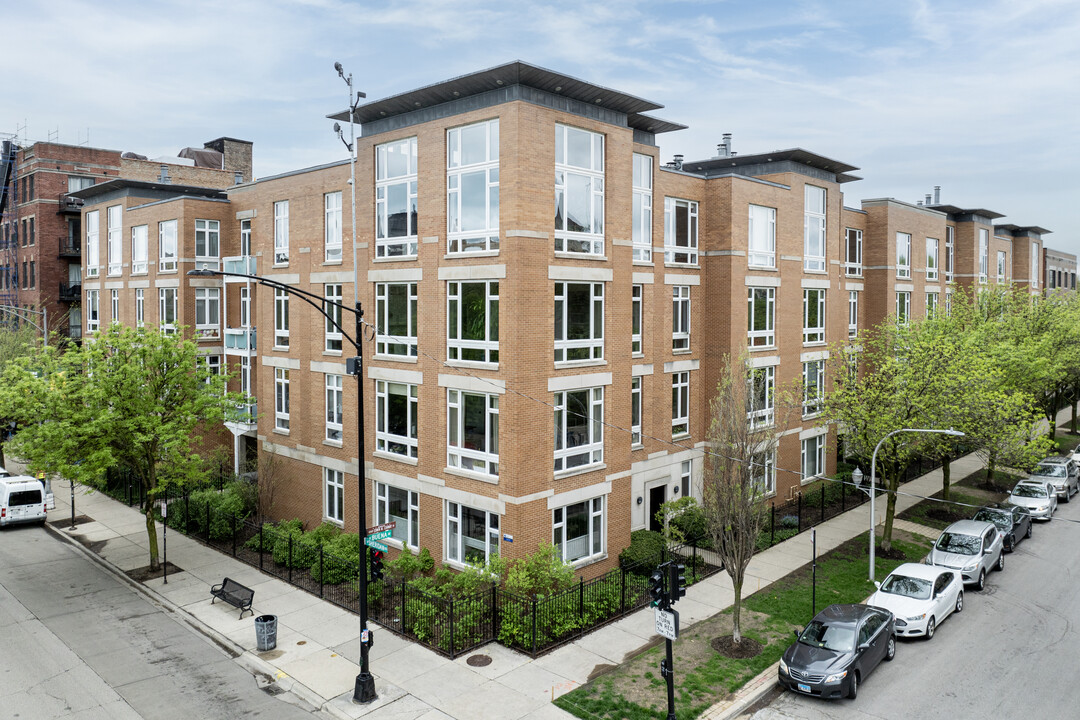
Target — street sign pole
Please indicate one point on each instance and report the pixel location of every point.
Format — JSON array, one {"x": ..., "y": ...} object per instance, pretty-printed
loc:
[
  {"x": 669, "y": 673},
  {"x": 813, "y": 584}
]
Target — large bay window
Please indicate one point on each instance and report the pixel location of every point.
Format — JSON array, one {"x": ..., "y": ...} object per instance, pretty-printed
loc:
[
  {"x": 579, "y": 321},
  {"x": 761, "y": 316},
  {"x": 472, "y": 187},
  {"x": 396, "y": 418},
  {"x": 471, "y": 535},
  {"x": 761, "y": 247},
  {"x": 814, "y": 229},
  {"x": 401, "y": 507},
  {"x": 578, "y": 530},
  {"x": 680, "y": 231},
  {"x": 579, "y": 428},
  {"x": 396, "y": 199},
  {"x": 473, "y": 321},
  {"x": 579, "y": 191},
  {"x": 642, "y": 209},
  {"x": 473, "y": 431},
  {"x": 395, "y": 316}
]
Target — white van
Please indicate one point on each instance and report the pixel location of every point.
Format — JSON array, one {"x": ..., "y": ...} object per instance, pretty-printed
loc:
[{"x": 22, "y": 500}]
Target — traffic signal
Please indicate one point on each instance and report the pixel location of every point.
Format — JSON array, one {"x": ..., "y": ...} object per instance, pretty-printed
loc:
[
  {"x": 656, "y": 589},
  {"x": 376, "y": 565},
  {"x": 678, "y": 581}
]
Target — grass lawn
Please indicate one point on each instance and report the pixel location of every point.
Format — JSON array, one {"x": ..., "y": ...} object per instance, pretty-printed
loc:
[
  {"x": 635, "y": 690},
  {"x": 1066, "y": 442}
]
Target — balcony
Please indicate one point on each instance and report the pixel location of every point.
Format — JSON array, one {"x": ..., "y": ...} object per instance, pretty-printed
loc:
[
  {"x": 70, "y": 248},
  {"x": 243, "y": 264},
  {"x": 70, "y": 292},
  {"x": 246, "y": 420},
  {"x": 70, "y": 204},
  {"x": 71, "y": 333},
  {"x": 240, "y": 339}
]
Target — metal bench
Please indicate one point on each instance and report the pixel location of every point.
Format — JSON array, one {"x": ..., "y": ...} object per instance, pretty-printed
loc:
[{"x": 235, "y": 594}]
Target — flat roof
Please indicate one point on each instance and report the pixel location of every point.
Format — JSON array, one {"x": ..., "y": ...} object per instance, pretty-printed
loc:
[
  {"x": 1023, "y": 228},
  {"x": 798, "y": 155},
  {"x": 514, "y": 73},
  {"x": 954, "y": 210},
  {"x": 120, "y": 183}
]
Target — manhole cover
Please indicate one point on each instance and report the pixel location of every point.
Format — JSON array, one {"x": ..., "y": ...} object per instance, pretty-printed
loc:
[{"x": 479, "y": 660}]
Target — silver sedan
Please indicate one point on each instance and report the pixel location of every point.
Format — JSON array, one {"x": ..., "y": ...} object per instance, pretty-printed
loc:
[{"x": 1036, "y": 497}]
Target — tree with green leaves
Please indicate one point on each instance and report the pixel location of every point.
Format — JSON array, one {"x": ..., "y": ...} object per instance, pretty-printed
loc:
[
  {"x": 129, "y": 397},
  {"x": 746, "y": 421},
  {"x": 16, "y": 340}
]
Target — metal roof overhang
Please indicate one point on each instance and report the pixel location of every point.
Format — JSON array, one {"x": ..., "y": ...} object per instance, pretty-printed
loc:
[{"x": 798, "y": 155}]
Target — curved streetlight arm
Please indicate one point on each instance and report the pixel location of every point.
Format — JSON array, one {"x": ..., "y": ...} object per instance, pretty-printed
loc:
[
  {"x": 23, "y": 314},
  {"x": 304, "y": 295},
  {"x": 873, "y": 478}
]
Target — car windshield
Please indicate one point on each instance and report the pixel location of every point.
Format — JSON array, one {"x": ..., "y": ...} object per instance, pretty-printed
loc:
[
  {"x": 1032, "y": 491},
  {"x": 1002, "y": 519},
  {"x": 911, "y": 587},
  {"x": 1054, "y": 471},
  {"x": 957, "y": 543},
  {"x": 840, "y": 638}
]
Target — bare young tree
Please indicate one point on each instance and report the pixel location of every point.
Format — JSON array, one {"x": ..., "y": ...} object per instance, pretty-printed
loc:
[{"x": 747, "y": 417}]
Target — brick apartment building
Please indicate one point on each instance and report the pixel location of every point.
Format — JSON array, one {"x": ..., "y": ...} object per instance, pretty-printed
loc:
[{"x": 1060, "y": 268}]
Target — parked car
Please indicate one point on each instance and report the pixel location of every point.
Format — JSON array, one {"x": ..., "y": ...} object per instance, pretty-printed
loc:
[
  {"x": 1075, "y": 454},
  {"x": 972, "y": 547},
  {"x": 1036, "y": 497},
  {"x": 920, "y": 597},
  {"x": 838, "y": 650},
  {"x": 1060, "y": 472},
  {"x": 1013, "y": 522},
  {"x": 4, "y": 473},
  {"x": 22, "y": 500}
]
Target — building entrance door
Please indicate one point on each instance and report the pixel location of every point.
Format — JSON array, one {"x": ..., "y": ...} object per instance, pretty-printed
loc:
[{"x": 657, "y": 495}]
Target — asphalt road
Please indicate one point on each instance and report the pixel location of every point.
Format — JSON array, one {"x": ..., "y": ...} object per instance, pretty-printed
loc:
[
  {"x": 1011, "y": 653},
  {"x": 78, "y": 643}
]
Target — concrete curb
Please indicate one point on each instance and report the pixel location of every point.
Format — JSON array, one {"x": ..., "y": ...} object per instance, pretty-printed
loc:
[
  {"x": 247, "y": 660},
  {"x": 761, "y": 685}
]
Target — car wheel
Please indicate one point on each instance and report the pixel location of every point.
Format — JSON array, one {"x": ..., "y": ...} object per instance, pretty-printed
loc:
[
  {"x": 1011, "y": 544},
  {"x": 1001, "y": 562},
  {"x": 1066, "y": 494},
  {"x": 890, "y": 649},
  {"x": 960, "y": 601},
  {"x": 1028, "y": 533},
  {"x": 931, "y": 626},
  {"x": 981, "y": 583},
  {"x": 853, "y": 688}
]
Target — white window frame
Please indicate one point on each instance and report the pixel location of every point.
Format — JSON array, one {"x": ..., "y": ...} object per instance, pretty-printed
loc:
[
  {"x": 115, "y": 247},
  {"x": 680, "y": 318},
  {"x": 1002, "y": 265},
  {"x": 813, "y": 301},
  {"x": 483, "y": 350},
  {"x": 637, "y": 319},
  {"x": 763, "y": 472},
  {"x": 335, "y": 407},
  {"x": 281, "y": 232},
  {"x": 1034, "y": 265},
  {"x": 932, "y": 246},
  {"x": 591, "y": 346},
  {"x": 813, "y": 450},
  {"x": 766, "y": 337},
  {"x": 332, "y": 334},
  {"x": 212, "y": 363},
  {"x": 140, "y": 249},
  {"x": 903, "y": 307},
  {"x": 140, "y": 307},
  {"x": 680, "y": 250},
  {"x": 281, "y": 399},
  {"x": 589, "y": 241},
  {"x": 636, "y": 409},
  {"x": 686, "y": 478},
  {"x": 168, "y": 308},
  {"x": 641, "y": 236},
  {"x": 950, "y": 257},
  {"x": 402, "y": 343},
  {"x": 396, "y": 177},
  {"x": 853, "y": 313},
  {"x": 853, "y": 252},
  {"x": 482, "y": 461},
  {"x": 93, "y": 248},
  {"x": 167, "y": 246},
  {"x": 575, "y": 551},
  {"x": 680, "y": 404},
  {"x": 207, "y": 244},
  {"x": 814, "y": 225},
  {"x": 903, "y": 255},
  {"x": 93, "y": 311},
  {"x": 407, "y": 527},
  {"x": 334, "y": 496},
  {"x": 813, "y": 374},
  {"x": 332, "y": 226},
  {"x": 761, "y": 240},
  {"x": 461, "y": 241},
  {"x": 245, "y": 238},
  {"x": 245, "y": 307},
  {"x": 281, "y": 319},
  {"x": 393, "y": 443},
  {"x": 114, "y": 306},
  {"x": 931, "y": 304},
  {"x": 585, "y": 449},
  {"x": 458, "y": 546},
  {"x": 984, "y": 255},
  {"x": 208, "y": 312},
  {"x": 761, "y": 386}
]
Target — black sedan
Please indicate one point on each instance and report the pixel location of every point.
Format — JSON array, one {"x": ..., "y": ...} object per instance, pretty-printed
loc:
[
  {"x": 838, "y": 649},
  {"x": 1012, "y": 522}
]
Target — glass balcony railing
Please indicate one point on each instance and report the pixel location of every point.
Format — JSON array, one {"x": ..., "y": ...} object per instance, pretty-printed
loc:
[
  {"x": 243, "y": 264},
  {"x": 240, "y": 339}
]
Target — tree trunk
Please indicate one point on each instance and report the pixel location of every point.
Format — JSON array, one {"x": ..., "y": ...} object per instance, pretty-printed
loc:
[
  {"x": 736, "y": 625},
  {"x": 890, "y": 510},
  {"x": 2, "y": 444},
  {"x": 991, "y": 463},
  {"x": 946, "y": 472},
  {"x": 1072, "y": 424},
  {"x": 151, "y": 534}
]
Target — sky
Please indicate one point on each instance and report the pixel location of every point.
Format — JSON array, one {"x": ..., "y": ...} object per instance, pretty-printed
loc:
[{"x": 981, "y": 98}]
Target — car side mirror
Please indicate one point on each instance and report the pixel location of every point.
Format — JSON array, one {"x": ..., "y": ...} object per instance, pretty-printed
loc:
[
  {"x": 877, "y": 584},
  {"x": 795, "y": 633},
  {"x": 864, "y": 647}
]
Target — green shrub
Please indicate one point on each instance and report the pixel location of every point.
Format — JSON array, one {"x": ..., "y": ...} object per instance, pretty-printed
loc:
[
  {"x": 685, "y": 520},
  {"x": 407, "y": 567},
  {"x": 540, "y": 574},
  {"x": 268, "y": 537},
  {"x": 644, "y": 553}
]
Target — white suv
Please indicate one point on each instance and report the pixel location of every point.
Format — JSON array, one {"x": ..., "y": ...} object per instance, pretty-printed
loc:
[
  {"x": 971, "y": 546},
  {"x": 1059, "y": 471}
]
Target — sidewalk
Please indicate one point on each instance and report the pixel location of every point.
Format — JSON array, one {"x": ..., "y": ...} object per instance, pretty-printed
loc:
[{"x": 317, "y": 652}]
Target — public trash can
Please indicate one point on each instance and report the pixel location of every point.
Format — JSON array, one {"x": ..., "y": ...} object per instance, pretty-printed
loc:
[{"x": 266, "y": 632}]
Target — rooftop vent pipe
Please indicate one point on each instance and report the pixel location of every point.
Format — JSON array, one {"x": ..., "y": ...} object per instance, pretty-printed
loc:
[
  {"x": 678, "y": 162},
  {"x": 724, "y": 148},
  {"x": 937, "y": 194}
]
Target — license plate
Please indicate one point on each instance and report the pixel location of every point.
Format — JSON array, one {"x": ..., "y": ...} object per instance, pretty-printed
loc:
[{"x": 804, "y": 688}]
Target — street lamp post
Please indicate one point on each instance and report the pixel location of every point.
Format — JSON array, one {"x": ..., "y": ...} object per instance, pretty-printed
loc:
[
  {"x": 364, "y": 691},
  {"x": 857, "y": 477}
]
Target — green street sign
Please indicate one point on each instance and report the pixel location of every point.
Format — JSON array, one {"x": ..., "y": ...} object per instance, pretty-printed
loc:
[
  {"x": 375, "y": 544},
  {"x": 380, "y": 535}
]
